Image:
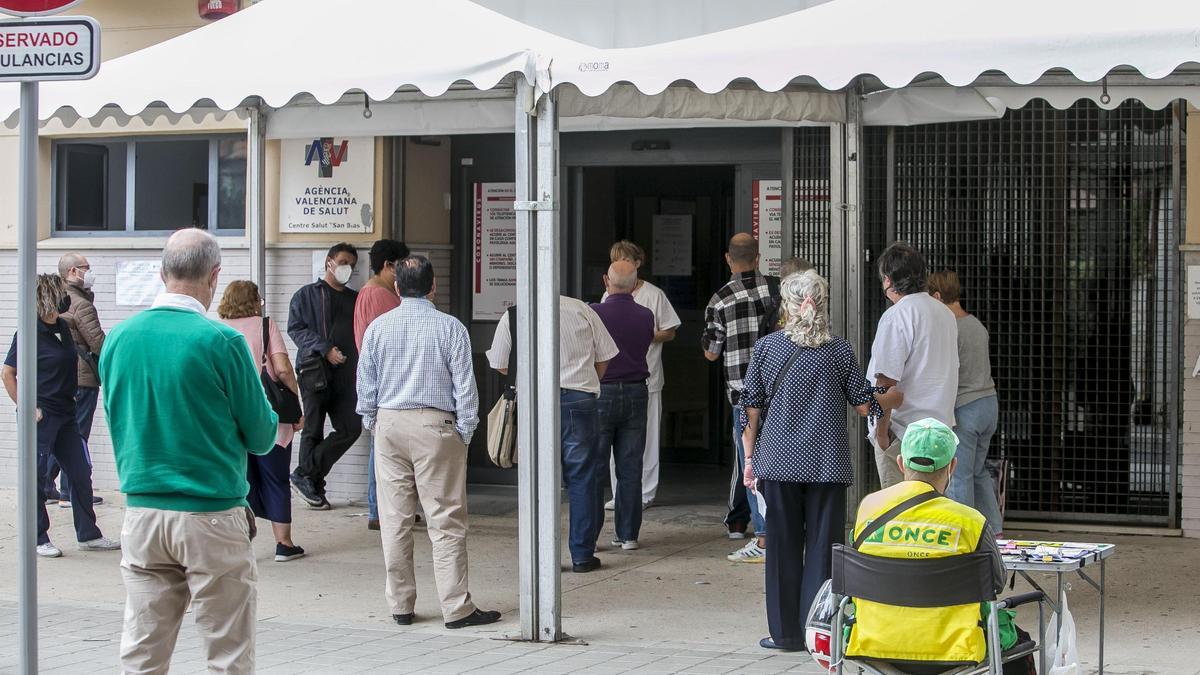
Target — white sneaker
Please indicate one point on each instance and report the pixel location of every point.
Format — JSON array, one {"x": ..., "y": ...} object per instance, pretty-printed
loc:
[
  {"x": 610, "y": 505},
  {"x": 101, "y": 544},
  {"x": 48, "y": 550},
  {"x": 647, "y": 504},
  {"x": 630, "y": 545},
  {"x": 750, "y": 553}
]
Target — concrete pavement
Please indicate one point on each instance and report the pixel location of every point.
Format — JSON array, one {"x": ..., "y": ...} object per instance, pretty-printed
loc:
[{"x": 675, "y": 605}]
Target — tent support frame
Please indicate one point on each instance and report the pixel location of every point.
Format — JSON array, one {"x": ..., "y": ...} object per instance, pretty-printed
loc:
[
  {"x": 538, "y": 441},
  {"x": 256, "y": 158}
]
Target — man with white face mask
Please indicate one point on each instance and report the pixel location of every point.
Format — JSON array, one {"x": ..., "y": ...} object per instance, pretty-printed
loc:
[
  {"x": 89, "y": 337},
  {"x": 321, "y": 323}
]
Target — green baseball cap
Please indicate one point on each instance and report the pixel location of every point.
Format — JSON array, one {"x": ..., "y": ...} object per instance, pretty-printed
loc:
[{"x": 928, "y": 445}]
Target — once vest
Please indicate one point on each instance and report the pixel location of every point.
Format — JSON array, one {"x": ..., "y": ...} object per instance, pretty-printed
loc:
[{"x": 935, "y": 529}]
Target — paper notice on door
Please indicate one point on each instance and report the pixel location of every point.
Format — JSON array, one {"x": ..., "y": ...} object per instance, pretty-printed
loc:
[{"x": 672, "y": 245}]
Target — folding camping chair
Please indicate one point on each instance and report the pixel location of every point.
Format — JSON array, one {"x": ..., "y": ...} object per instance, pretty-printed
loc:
[{"x": 928, "y": 582}]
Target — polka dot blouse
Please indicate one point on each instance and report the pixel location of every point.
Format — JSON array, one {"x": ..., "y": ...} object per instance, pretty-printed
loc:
[{"x": 802, "y": 436}]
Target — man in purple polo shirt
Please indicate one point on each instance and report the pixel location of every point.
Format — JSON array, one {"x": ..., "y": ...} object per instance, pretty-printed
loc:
[{"x": 623, "y": 399}]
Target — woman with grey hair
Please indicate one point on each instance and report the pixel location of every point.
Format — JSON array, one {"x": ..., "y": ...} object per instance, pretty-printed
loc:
[
  {"x": 57, "y": 430},
  {"x": 798, "y": 384}
]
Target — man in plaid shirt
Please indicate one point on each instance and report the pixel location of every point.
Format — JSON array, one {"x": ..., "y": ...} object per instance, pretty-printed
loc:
[{"x": 733, "y": 323}]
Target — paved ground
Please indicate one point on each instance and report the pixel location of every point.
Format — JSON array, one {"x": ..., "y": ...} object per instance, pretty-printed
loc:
[{"x": 674, "y": 606}]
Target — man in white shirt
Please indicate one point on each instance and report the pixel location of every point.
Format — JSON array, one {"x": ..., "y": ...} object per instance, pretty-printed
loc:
[
  {"x": 666, "y": 321},
  {"x": 916, "y": 349},
  {"x": 584, "y": 350}
]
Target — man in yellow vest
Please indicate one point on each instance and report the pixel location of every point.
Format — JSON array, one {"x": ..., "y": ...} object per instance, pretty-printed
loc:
[{"x": 932, "y": 527}]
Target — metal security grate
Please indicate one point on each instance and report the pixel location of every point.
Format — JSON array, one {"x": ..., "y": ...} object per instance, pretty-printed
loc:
[
  {"x": 811, "y": 197},
  {"x": 1063, "y": 226}
]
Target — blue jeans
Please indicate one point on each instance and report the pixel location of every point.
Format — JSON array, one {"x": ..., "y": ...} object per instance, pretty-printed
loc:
[
  {"x": 581, "y": 464},
  {"x": 372, "y": 500},
  {"x": 738, "y": 489},
  {"x": 622, "y": 415},
  {"x": 971, "y": 483}
]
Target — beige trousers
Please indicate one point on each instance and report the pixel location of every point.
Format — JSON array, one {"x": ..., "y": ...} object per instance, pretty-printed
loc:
[
  {"x": 419, "y": 455},
  {"x": 885, "y": 459},
  {"x": 172, "y": 558}
]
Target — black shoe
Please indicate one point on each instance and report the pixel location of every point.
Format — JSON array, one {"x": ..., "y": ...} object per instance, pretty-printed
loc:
[
  {"x": 403, "y": 619},
  {"x": 476, "y": 618},
  {"x": 736, "y": 529},
  {"x": 96, "y": 501},
  {"x": 286, "y": 553},
  {"x": 373, "y": 524},
  {"x": 323, "y": 506},
  {"x": 53, "y": 496},
  {"x": 768, "y": 643},
  {"x": 586, "y": 566},
  {"x": 304, "y": 487},
  {"x": 418, "y": 519}
]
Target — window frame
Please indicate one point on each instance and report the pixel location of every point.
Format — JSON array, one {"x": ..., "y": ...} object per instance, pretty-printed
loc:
[{"x": 131, "y": 141}]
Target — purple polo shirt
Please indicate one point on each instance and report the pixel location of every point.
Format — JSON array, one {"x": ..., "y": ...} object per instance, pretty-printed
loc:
[{"x": 632, "y": 328}]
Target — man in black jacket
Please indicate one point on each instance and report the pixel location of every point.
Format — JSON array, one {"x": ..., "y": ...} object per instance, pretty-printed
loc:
[{"x": 321, "y": 323}]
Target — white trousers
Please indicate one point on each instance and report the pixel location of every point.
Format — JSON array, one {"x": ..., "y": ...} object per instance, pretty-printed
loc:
[{"x": 650, "y": 458}]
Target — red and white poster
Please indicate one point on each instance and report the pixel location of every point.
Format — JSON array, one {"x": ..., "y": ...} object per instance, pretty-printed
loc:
[
  {"x": 766, "y": 224},
  {"x": 494, "y": 268}
]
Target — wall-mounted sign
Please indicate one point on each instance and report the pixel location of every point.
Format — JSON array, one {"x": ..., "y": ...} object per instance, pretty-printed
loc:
[
  {"x": 766, "y": 224},
  {"x": 35, "y": 7},
  {"x": 327, "y": 185},
  {"x": 672, "y": 241},
  {"x": 494, "y": 268},
  {"x": 49, "y": 49},
  {"x": 138, "y": 282}
]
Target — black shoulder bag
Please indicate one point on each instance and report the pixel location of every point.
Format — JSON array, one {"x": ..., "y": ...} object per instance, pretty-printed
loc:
[
  {"x": 312, "y": 370},
  {"x": 283, "y": 401}
]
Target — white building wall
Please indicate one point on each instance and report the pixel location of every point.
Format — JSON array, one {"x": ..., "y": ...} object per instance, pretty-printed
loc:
[{"x": 287, "y": 269}]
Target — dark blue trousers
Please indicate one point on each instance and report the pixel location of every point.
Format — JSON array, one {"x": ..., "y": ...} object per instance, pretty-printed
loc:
[
  {"x": 805, "y": 521},
  {"x": 85, "y": 411},
  {"x": 581, "y": 460},
  {"x": 622, "y": 408},
  {"x": 58, "y": 438},
  {"x": 270, "y": 494}
]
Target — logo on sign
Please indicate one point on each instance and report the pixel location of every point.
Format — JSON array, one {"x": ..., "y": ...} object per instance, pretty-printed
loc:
[
  {"x": 35, "y": 7},
  {"x": 328, "y": 154}
]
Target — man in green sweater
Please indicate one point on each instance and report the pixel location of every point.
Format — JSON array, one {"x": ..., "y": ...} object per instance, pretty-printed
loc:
[{"x": 185, "y": 405}]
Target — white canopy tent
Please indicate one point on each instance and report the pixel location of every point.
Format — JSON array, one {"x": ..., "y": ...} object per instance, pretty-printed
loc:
[{"x": 303, "y": 66}]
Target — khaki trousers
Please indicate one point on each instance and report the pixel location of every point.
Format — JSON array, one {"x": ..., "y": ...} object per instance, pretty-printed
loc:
[
  {"x": 172, "y": 558},
  {"x": 885, "y": 459},
  {"x": 419, "y": 455}
]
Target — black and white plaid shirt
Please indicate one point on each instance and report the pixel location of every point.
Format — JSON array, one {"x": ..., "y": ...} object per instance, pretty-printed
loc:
[{"x": 732, "y": 321}]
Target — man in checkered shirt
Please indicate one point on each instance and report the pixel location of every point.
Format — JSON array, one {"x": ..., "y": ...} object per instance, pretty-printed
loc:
[{"x": 733, "y": 322}]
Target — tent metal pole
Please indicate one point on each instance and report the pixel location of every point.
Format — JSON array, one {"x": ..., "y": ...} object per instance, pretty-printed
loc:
[
  {"x": 27, "y": 482},
  {"x": 256, "y": 156},
  {"x": 549, "y": 441},
  {"x": 524, "y": 341},
  {"x": 854, "y": 258},
  {"x": 787, "y": 171}
]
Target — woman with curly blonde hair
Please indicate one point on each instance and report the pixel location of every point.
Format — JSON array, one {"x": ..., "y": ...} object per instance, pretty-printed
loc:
[
  {"x": 270, "y": 494},
  {"x": 58, "y": 433},
  {"x": 798, "y": 384}
]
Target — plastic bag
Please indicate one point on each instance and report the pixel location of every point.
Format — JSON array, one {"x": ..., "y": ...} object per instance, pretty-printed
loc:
[{"x": 1063, "y": 651}]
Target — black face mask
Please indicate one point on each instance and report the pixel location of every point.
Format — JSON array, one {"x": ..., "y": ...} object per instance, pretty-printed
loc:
[{"x": 64, "y": 304}]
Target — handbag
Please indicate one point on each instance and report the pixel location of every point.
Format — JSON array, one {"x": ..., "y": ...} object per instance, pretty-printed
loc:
[
  {"x": 501, "y": 430},
  {"x": 283, "y": 401}
]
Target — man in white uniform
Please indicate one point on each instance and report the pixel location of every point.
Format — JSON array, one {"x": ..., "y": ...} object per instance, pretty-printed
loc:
[
  {"x": 916, "y": 349},
  {"x": 665, "y": 322}
]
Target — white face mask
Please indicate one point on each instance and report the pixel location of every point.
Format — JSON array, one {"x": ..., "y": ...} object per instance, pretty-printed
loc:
[
  {"x": 343, "y": 273},
  {"x": 89, "y": 278}
]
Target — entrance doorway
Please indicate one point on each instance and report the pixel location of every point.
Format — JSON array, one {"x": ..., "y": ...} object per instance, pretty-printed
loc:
[{"x": 681, "y": 216}]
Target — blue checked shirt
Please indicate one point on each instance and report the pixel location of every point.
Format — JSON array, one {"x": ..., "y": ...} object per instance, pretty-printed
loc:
[{"x": 417, "y": 357}]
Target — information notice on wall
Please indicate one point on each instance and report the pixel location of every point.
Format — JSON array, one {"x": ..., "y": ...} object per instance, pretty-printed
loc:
[
  {"x": 494, "y": 268},
  {"x": 672, "y": 241},
  {"x": 766, "y": 224},
  {"x": 327, "y": 185},
  {"x": 138, "y": 282}
]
